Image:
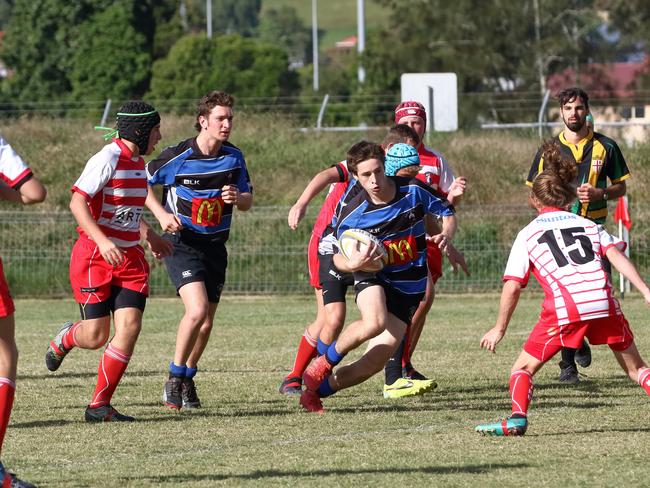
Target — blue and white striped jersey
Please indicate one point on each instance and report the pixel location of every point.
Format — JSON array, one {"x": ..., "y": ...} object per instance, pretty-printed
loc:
[
  {"x": 399, "y": 224},
  {"x": 192, "y": 184}
]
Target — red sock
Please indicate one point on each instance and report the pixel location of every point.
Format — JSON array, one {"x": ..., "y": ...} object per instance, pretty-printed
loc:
[
  {"x": 68, "y": 339},
  {"x": 406, "y": 354},
  {"x": 306, "y": 352},
  {"x": 643, "y": 377},
  {"x": 111, "y": 368},
  {"x": 521, "y": 391},
  {"x": 7, "y": 389}
]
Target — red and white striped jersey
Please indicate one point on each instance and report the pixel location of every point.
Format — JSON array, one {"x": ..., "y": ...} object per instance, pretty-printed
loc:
[
  {"x": 434, "y": 170},
  {"x": 13, "y": 170},
  {"x": 115, "y": 185},
  {"x": 564, "y": 251}
]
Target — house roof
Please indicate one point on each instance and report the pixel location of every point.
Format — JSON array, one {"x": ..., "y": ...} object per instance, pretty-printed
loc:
[
  {"x": 602, "y": 80},
  {"x": 348, "y": 42}
]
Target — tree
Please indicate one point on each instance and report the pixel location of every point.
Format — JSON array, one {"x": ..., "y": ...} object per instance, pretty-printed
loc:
[
  {"x": 231, "y": 63},
  {"x": 111, "y": 58},
  {"x": 236, "y": 16},
  {"x": 42, "y": 38},
  {"x": 285, "y": 29},
  {"x": 35, "y": 47},
  {"x": 491, "y": 46}
]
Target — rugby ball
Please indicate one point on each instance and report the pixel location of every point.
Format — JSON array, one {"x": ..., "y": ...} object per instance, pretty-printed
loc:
[{"x": 351, "y": 237}]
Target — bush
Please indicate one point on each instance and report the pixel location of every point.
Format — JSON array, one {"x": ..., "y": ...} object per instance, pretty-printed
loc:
[{"x": 241, "y": 66}]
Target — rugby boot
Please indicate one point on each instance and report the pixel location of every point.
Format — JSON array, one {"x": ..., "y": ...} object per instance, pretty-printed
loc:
[
  {"x": 568, "y": 373},
  {"x": 408, "y": 371},
  {"x": 291, "y": 386},
  {"x": 10, "y": 480},
  {"x": 583, "y": 355},
  {"x": 172, "y": 396},
  {"x": 56, "y": 352},
  {"x": 310, "y": 401},
  {"x": 188, "y": 394},
  {"x": 511, "y": 426},
  {"x": 405, "y": 387},
  {"x": 316, "y": 373},
  {"x": 106, "y": 413}
]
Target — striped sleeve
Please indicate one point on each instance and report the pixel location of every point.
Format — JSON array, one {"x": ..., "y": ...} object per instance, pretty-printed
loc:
[
  {"x": 518, "y": 267},
  {"x": 98, "y": 171},
  {"x": 13, "y": 169},
  {"x": 607, "y": 241}
]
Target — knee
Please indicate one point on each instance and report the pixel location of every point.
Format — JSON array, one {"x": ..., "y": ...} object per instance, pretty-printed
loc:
[
  {"x": 197, "y": 314},
  {"x": 206, "y": 326},
  {"x": 376, "y": 325},
  {"x": 131, "y": 329},
  {"x": 96, "y": 338}
]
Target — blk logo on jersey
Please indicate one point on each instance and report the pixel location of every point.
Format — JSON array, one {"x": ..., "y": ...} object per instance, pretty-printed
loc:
[
  {"x": 207, "y": 211},
  {"x": 401, "y": 251}
]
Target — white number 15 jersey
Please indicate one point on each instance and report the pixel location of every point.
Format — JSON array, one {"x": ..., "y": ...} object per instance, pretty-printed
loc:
[{"x": 564, "y": 251}]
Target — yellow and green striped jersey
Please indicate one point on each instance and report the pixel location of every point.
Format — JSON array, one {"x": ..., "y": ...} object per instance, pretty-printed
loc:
[{"x": 598, "y": 158}]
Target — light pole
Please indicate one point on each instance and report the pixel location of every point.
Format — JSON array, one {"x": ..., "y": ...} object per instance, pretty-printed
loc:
[
  {"x": 314, "y": 42},
  {"x": 361, "y": 39},
  {"x": 208, "y": 15}
]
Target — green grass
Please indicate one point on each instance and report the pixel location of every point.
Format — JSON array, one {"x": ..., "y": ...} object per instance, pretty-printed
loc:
[
  {"x": 595, "y": 434},
  {"x": 337, "y": 18}
]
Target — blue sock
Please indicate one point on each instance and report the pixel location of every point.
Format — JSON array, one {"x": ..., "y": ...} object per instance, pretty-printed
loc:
[
  {"x": 334, "y": 357},
  {"x": 321, "y": 347},
  {"x": 190, "y": 372},
  {"x": 176, "y": 370},
  {"x": 325, "y": 390}
]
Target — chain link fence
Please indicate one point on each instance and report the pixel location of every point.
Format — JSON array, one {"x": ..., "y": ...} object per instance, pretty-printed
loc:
[{"x": 267, "y": 257}]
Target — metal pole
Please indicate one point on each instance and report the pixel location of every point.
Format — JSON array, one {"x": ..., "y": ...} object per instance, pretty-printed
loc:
[
  {"x": 107, "y": 109},
  {"x": 321, "y": 113},
  {"x": 208, "y": 17},
  {"x": 314, "y": 42},
  {"x": 538, "y": 42},
  {"x": 361, "y": 39},
  {"x": 622, "y": 278},
  {"x": 542, "y": 110}
]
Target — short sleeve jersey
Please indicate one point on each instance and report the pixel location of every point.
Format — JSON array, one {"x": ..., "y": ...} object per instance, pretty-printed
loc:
[
  {"x": 192, "y": 184},
  {"x": 434, "y": 170},
  {"x": 399, "y": 225},
  {"x": 336, "y": 192},
  {"x": 564, "y": 251},
  {"x": 13, "y": 170},
  {"x": 598, "y": 158},
  {"x": 115, "y": 186}
]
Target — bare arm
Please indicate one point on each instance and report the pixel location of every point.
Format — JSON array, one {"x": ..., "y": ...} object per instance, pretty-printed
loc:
[
  {"x": 160, "y": 247},
  {"x": 457, "y": 190},
  {"x": 359, "y": 259},
  {"x": 588, "y": 193},
  {"x": 231, "y": 194},
  {"x": 625, "y": 266},
  {"x": 508, "y": 304},
  {"x": 245, "y": 201},
  {"x": 317, "y": 184},
  {"x": 30, "y": 192},
  {"x": 168, "y": 221},
  {"x": 449, "y": 225},
  {"x": 108, "y": 249}
]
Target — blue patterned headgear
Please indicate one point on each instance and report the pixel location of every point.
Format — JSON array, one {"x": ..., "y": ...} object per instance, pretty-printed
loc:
[{"x": 401, "y": 156}]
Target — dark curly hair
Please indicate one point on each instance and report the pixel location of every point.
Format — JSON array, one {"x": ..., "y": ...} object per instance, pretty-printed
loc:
[{"x": 555, "y": 185}]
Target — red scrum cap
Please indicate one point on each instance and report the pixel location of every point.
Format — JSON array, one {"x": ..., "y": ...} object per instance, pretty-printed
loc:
[{"x": 410, "y": 108}]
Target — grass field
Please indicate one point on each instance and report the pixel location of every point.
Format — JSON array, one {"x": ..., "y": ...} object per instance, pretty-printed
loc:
[
  {"x": 595, "y": 434},
  {"x": 336, "y": 18}
]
